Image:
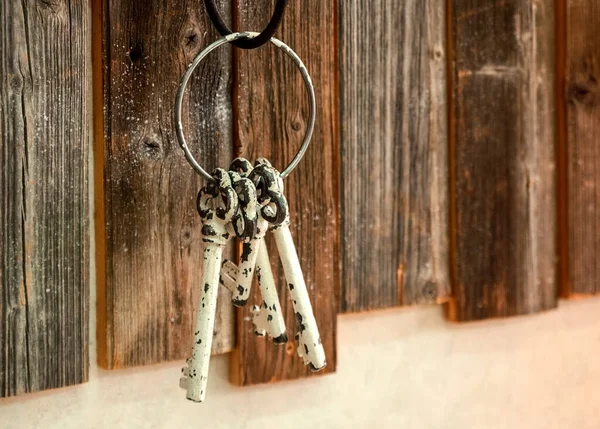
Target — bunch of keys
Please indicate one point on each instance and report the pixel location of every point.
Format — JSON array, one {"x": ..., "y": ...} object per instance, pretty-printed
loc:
[{"x": 247, "y": 202}]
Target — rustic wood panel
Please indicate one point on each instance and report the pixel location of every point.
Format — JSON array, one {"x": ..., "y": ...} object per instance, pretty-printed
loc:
[
  {"x": 393, "y": 126},
  {"x": 44, "y": 229},
  {"x": 582, "y": 95},
  {"x": 503, "y": 146},
  {"x": 270, "y": 114},
  {"x": 149, "y": 244},
  {"x": 563, "y": 259}
]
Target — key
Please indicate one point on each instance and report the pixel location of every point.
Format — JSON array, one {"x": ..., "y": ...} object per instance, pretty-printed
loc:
[
  {"x": 245, "y": 227},
  {"x": 239, "y": 280},
  {"x": 217, "y": 203},
  {"x": 310, "y": 348},
  {"x": 267, "y": 317}
]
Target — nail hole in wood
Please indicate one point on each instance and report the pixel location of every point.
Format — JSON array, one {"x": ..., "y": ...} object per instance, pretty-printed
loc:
[
  {"x": 429, "y": 291},
  {"x": 135, "y": 53}
]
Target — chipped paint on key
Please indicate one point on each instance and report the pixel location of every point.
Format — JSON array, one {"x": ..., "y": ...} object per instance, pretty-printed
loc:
[
  {"x": 268, "y": 317},
  {"x": 246, "y": 228},
  {"x": 244, "y": 222},
  {"x": 216, "y": 204},
  {"x": 228, "y": 275},
  {"x": 310, "y": 348},
  {"x": 199, "y": 362},
  {"x": 241, "y": 292}
]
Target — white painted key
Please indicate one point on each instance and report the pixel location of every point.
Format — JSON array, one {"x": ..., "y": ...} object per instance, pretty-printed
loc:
[
  {"x": 310, "y": 348},
  {"x": 215, "y": 235},
  {"x": 251, "y": 236},
  {"x": 267, "y": 317}
]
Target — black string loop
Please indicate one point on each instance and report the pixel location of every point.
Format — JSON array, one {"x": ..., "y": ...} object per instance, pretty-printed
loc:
[{"x": 255, "y": 42}]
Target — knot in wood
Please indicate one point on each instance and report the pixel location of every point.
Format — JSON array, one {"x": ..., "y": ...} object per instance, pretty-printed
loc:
[
  {"x": 190, "y": 40},
  {"x": 54, "y": 5},
  {"x": 583, "y": 91},
  {"x": 429, "y": 291},
  {"x": 152, "y": 147}
]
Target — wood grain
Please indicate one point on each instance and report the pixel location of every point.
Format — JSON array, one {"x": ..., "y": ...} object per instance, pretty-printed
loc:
[
  {"x": 44, "y": 208},
  {"x": 148, "y": 230},
  {"x": 270, "y": 114},
  {"x": 503, "y": 148},
  {"x": 393, "y": 126},
  {"x": 582, "y": 97}
]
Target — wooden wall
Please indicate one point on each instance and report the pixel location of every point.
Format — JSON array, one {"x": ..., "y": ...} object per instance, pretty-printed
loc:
[
  {"x": 453, "y": 161},
  {"x": 44, "y": 238}
]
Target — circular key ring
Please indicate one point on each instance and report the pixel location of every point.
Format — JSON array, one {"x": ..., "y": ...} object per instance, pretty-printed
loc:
[{"x": 184, "y": 81}]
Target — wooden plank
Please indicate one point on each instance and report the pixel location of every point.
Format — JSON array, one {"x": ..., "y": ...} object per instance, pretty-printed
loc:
[
  {"x": 503, "y": 168},
  {"x": 149, "y": 244},
  {"x": 563, "y": 259},
  {"x": 270, "y": 113},
  {"x": 582, "y": 92},
  {"x": 393, "y": 126},
  {"x": 44, "y": 207}
]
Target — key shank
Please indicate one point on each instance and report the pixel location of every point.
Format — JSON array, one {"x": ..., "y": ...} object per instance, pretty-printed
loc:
[{"x": 310, "y": 348}]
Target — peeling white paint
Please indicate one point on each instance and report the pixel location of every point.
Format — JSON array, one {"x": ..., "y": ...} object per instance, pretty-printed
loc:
[
  {"x": 268, "y": 317},
  {"x": 309, "y": 348}
]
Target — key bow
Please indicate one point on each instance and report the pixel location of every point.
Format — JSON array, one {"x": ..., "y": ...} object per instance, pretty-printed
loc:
[
  {"x": 269, "y": 190},
  {"x": 218, "y": 196}
]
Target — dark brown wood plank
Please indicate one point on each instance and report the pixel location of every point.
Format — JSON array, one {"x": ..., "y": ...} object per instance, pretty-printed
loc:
[
  {"x": 503, "y": 145},
  {"x": 149, "y": 244},
  {"x": 582, "y": 96},
  {"x": 270, "y": 114},
  {"x": 44, "y": 208},
  {"x": 393, "y": 126}
]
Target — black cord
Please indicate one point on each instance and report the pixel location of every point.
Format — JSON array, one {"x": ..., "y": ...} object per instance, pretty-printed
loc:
[{"x": 255, "y": 42}]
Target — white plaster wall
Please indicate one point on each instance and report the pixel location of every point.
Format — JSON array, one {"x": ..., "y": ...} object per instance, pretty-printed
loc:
[{"x": 405, "y": 368}]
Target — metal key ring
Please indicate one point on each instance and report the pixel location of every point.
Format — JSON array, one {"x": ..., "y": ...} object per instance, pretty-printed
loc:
[{"x": 184, "y": 81}]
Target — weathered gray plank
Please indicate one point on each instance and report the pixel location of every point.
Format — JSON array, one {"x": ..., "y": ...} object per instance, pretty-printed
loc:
[
  {"x": 44, "y": 237},
  {"x": 149, "y": 244},
  {"x": 394, "y": 153},
  {"x": 504, "y": 227}
]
